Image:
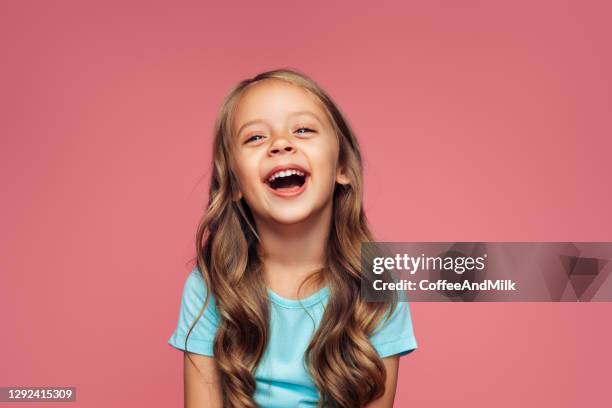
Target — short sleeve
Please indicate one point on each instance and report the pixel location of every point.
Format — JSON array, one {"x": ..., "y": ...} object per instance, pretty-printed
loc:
[
  {"x": 395, "y": 335},
  {"x": 202, "y": 335}
]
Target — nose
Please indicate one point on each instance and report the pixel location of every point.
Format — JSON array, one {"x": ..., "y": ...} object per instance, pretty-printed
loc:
[{"x": 281, "y": 145}]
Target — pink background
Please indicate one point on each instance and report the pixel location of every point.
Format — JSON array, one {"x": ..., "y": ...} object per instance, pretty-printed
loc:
[{"x": 485, "y": 121}]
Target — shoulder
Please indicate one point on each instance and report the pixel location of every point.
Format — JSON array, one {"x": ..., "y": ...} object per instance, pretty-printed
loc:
[
  {"x": 195, "y": 281},
  {"x": 394, "y": 334},
  {"x": 198, "y": 317},
  {"x": 195, "y": 290}
]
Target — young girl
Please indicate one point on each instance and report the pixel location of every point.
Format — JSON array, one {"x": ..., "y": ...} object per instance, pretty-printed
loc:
[{"x": 272, "y": 315}]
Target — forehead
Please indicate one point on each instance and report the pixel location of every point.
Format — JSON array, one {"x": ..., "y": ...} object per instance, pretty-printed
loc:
[{"x": 274, "y": 100}]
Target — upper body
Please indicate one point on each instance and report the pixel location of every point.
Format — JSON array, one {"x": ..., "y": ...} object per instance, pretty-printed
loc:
[
  {"x": 282, "y": 380},
  {"x": 285, "y": 205}
]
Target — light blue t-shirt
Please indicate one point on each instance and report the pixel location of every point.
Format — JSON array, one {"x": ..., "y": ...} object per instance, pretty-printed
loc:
[{"x": 282, "y": 379}]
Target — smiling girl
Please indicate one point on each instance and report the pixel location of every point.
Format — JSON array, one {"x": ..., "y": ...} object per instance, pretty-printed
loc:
[{"x": 272, "y": 314}]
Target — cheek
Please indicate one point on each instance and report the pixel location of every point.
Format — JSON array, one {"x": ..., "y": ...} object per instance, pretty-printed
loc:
[
  {"x": 245, "y": 173},
  {"x": 324, "y": 157},
  {"x": 248, "y": 180},
  {"x": 245, "y": 167}
]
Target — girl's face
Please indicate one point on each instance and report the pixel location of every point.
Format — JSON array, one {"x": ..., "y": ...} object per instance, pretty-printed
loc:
[{"x": 286, "y": 152}]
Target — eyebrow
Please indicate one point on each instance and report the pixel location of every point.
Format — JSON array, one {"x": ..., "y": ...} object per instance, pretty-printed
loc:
[{"x": 254, "y": 121}]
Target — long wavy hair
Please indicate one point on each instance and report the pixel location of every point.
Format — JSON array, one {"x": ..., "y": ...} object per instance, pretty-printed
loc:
[{"x": 344, "y": 366}]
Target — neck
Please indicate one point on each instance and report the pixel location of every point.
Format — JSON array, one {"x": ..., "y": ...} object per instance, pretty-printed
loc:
[{"x": 293, "y": 251}]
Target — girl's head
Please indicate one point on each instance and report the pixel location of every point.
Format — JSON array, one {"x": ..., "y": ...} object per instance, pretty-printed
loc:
[
  {"x": 277, "y": 126},
  {"x": 283, "y": 120}
]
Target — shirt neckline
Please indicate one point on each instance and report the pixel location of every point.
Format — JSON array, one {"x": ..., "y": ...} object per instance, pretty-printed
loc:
[{"x": 298, "y": 303}]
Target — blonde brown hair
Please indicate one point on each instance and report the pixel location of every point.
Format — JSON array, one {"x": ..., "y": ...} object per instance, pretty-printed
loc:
[{"x": 345, "y": 367}]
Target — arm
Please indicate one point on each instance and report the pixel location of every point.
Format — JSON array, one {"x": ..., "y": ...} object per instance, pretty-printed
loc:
[
  {"x": 386, "y": 401},
  {"x": 201, "y": 383}
]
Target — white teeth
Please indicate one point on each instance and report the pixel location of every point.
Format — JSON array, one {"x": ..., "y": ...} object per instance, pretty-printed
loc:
[{"x": 284, "y": 173}]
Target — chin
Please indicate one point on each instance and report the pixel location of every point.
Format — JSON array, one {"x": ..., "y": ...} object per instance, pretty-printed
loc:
[{"x": 290, "y": 216}]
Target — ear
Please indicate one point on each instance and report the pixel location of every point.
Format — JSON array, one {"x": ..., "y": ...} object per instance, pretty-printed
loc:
[
  {"x": 235, "y": 186},
  {"x": 237, "y": 196},
  {"x": 341, "y": 177}
]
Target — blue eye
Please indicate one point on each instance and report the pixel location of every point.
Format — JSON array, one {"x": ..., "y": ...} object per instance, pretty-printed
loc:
[
  {"x": 304, "y": 129},
  {"x": 252, "y": 138}
]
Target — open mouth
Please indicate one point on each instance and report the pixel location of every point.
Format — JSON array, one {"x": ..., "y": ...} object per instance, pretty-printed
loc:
[{"x": 288, "y": 182}]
